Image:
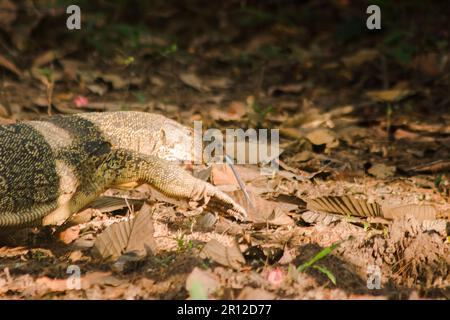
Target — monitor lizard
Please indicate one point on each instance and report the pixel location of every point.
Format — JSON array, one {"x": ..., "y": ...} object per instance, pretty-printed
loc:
[{"x": 54, "y": 167}]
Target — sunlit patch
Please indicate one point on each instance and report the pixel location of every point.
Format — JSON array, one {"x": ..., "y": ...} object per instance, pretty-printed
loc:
[{"x": 55, "y": 136}]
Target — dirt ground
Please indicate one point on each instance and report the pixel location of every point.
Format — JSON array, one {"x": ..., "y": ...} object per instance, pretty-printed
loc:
[{"x": 364, "y": 123}]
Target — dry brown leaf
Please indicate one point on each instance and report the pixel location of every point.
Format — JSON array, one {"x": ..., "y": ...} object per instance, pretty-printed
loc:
[
  {"x": 360, "y": 57},
  {"x": 219, "y": 83},
  {"x": 6, "y": 252},
  {"x": 428, "y": 63},
  {"x": 420, "y": 212},
  {"x": 194, "y": 81},
  {"x": 292, "y": 88},
  {"x": 236, "y": 110},
  {"x": 99, "y": 278},
  {"x": 346, "y": 205},
  {"x": 116, "y": 81},
  {"x": 9, "y": 65},
  {"x": 249, "y": 293},
  {"x": 403, "y": 134},
  {"x": 45, "y": 58},
  {"x": 221, "y": 174},
  {"x": 46, "y": 284},
  {"x": 382, "y": 171},
  {"x": 71, "y": 68},
  {"x": 262, "y": 211},
  {"x": 435, "y": 166},
  {"x": 393, "y": 95},
  {"x": 98, "y": 89},
  {"x": 69, "y": 235},
  {"x": 134, "y": 235},
  {"x": 209, "y": 282},
  {"x": 320, "y": 217},
  {"x": 323, "y": 136},
  {"x": 227, "y": 256},
  {"x": 206, "y": 222},
  {"x": 76, "y": 256}
]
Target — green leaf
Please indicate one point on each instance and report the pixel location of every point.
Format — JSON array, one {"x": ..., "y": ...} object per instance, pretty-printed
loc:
[
  {"x": 197, "y": 291},
  {"x": 322, "y": 254},
  {"x": 327, "y": 272}
]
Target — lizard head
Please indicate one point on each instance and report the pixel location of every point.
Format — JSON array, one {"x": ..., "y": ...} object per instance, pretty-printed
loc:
[{"x": 177, "y": 143}]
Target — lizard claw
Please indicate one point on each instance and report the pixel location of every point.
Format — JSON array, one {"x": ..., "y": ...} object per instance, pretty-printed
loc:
[{"x": 221, "y": 201}]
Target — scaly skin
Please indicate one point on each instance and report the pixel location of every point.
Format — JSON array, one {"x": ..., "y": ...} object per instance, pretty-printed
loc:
[{"x": 51, "y": 169}]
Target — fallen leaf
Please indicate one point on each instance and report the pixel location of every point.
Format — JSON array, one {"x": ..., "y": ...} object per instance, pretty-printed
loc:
[
  {"x": 323, "y": 136},
  {"x": 194, "y": 81},
  {"x": 69, "y": 235},
  {"x": 261, "y": 211},
  {"x": 235, "y": 111},
  {"x": 393, "y": 95},
  {"x": 360, "y": 57},
  {"x": 428, "y": 63},
  {"x": 434, "y": 167},
  {"x": 206, "y": 222},
  {"x": 345, "y": 205},
  {"x": 220, "y": 83},
  {"x": 71, "y": 68},
  {"x": 45, "y": 58},
  {"x": 320, "y": 217},
  {"x": 201, "y": 284},
  {"x": 9, "y": 65},
  {"x": 292, "y": 88},
  {"x": 98, "y": 89},
  {"x": 226, "y": 256},
  {"x": 221, "y": 174},
  {"x": 420, "y": 212},
  {"x": 116, "y": 81},
  {"x": 134, "y": 235},
  {"x": 403, "y": 134},
  {"x": 99, "y": 278},
  {"x": 6, "y": 252},
  {"x": 249, "y": 293},
  {"x": 382, "y": 171},
  {"x": 75, "y": 256}
]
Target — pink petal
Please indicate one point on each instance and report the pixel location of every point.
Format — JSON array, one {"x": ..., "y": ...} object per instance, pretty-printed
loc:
[
  {"x": 275, "y": 276},
  {"x": 81, "y": 101}
]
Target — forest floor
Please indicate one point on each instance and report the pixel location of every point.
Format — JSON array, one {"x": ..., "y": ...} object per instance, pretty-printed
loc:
[{"x": 359, "y": 208}]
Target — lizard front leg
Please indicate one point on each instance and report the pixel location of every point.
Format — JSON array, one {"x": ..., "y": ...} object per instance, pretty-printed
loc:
[
  {"x": 171, "y": 180},
  {"x": 123, "y": 166}
]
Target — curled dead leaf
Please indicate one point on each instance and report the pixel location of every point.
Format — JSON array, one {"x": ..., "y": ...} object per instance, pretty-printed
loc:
[
  {"x": 134, "y": 235},
  {"x": 193, "y": 81},
  {"x": 227, "y": 256},
  {"x": 323, "y": 136},
  {"x": 345, "y": 205}
]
